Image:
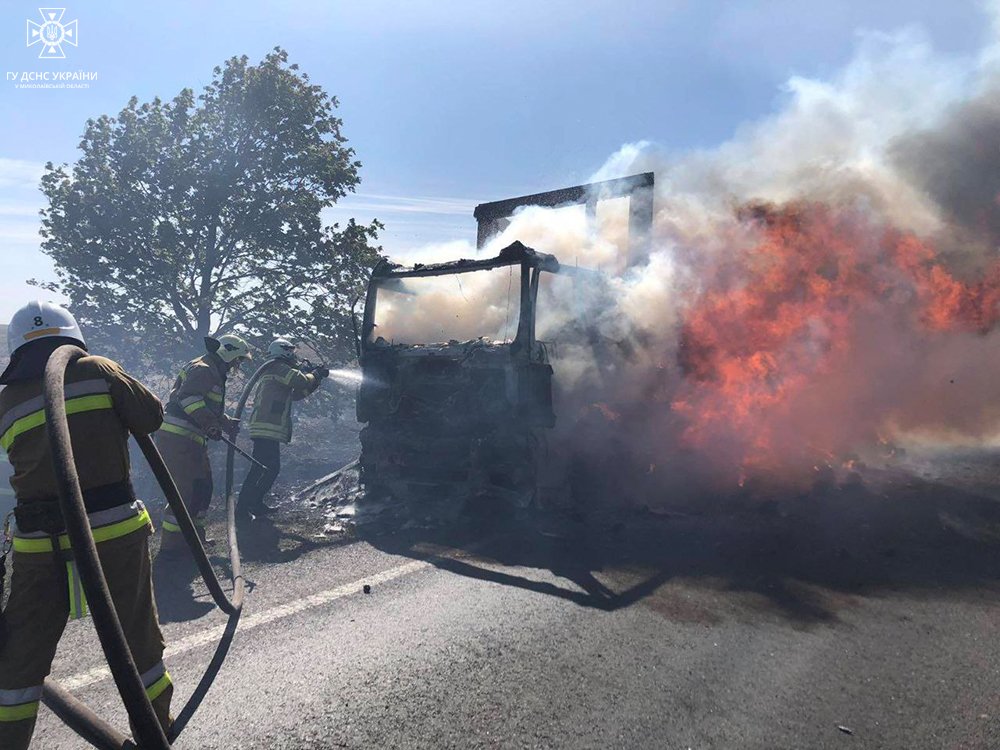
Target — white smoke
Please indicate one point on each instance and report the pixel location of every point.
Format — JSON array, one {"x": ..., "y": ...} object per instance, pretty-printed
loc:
[
  {"x": 856, "y": 141},
  {"x": 903, "y": 134}
]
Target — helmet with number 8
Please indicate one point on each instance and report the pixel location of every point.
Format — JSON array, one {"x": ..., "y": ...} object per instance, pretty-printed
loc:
[{"x": 42, "y": 320}]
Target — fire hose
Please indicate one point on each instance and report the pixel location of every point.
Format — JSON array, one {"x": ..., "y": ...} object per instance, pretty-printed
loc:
[
  {"x": 238, "y": 414},
  {"x": 148, "y": 733},
  {"x": 234, "y": 447}
]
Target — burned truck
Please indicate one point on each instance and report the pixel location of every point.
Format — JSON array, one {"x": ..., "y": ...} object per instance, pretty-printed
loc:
[{"x": 457, "y": 392}]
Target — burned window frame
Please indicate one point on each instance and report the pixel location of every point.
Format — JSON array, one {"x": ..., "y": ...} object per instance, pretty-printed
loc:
[{"x": 532, "y": 264}]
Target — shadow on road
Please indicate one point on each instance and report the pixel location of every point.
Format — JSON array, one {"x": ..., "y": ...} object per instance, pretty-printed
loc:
[
  {"x": 803, "y": 558},
  {"x": 594, "y": 593},
  {"x": 180, "y": 594},
  {"x": 174, "y": 580},
  {"x": 265, "y": 542}
]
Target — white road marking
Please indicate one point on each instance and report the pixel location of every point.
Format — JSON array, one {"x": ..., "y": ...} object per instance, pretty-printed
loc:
[{"x": 249, "y": 622}]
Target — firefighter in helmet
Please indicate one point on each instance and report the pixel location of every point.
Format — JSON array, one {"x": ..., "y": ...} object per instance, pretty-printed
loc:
[
  {"x": 104, "y": 404},
  {"x": 284, "y": 381},
  {"x": 195, "y": 414}
]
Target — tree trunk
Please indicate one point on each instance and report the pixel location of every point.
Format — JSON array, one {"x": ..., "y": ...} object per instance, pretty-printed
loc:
[{"x": 205, "y": 287}]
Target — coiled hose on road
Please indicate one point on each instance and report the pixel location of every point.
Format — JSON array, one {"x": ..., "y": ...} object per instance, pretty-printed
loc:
[{"x": 81, "y": 719}]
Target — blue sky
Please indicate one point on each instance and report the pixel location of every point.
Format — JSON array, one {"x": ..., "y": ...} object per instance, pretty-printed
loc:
[{"x": 448, "y": 103}]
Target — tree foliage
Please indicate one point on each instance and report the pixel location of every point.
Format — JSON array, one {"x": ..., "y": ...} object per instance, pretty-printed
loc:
[{"x": 201, "y": 216}]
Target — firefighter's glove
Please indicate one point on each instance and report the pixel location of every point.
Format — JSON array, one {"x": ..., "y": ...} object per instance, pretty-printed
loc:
[
  {"x": 232, "y": 427},
  {"x": 214, "y": 432}
]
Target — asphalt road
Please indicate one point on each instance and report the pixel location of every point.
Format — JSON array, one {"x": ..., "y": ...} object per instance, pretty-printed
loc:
[{"x": 849, "y": 618}]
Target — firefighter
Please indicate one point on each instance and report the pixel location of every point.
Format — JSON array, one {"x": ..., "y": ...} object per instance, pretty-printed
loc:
[
  {"x": 196, "y": 414},
  {"x": 283, "y": 381},
  {"x": 104, "y": 404}
]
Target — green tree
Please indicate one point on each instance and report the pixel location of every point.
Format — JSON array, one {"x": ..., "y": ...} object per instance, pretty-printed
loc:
[{"x": 201, "y": 216}]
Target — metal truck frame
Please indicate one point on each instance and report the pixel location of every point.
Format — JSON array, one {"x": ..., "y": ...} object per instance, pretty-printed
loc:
[{"x": 461, "y": 419}]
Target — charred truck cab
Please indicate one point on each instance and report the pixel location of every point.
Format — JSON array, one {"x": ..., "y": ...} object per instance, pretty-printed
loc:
[{"x": 460, "y": 418}]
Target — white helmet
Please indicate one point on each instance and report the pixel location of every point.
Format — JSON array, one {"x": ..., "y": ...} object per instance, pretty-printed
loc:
[
  {"x": 281, "y": 349},
  {"x": 41, "y": 320}
]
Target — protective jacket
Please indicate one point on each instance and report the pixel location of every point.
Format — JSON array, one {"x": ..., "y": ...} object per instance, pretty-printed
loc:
[
  {"x": 104, "y": 403},
  {"x": 196, "y": 405},
  {"x": 197, "y": 400},
  {"x": 281, "y": 384}
]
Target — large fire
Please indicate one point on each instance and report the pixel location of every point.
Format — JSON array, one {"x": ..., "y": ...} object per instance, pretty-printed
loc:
[{"x": 778, "y": 334}]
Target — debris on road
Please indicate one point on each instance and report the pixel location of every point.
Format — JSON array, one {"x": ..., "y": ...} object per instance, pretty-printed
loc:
[
  {"x": 367, "y": 588},
  {"x": 331, "y": 529},
  {"x": 845, "y": 730}
]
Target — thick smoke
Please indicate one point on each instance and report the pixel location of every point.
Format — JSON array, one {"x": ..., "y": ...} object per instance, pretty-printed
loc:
[
  {"x": 823, "y": 285},
  {"x": 878, "y": 193},
  {"x": 450, "y": 308},
  {"x": 957, "y": 165}
]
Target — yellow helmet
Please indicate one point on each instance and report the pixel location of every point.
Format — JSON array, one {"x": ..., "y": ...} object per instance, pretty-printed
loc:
[{"x": 229, "y": 347}]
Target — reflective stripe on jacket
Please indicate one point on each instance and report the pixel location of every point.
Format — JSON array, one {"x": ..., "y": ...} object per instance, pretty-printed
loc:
[
  {"x": 103, "y": 404},
  {"x": 197, "y": 400},
  {"x": 281, "y": 384},
  {"x": 112, "y": 523},
  {"x": 105, "y": 524},
  {"x": 5, "y": 471},
  {"x": 177, "y": 426}
]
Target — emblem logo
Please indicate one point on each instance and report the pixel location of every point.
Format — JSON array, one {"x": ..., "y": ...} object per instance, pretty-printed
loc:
[{"x": 52, "y": 33}]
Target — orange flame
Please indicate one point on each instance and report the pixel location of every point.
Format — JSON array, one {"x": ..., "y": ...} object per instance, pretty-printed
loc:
[{"x": 772, "y": 322}]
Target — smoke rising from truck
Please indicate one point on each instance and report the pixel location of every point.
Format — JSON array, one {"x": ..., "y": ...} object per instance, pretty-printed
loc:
[{"x": 822, "y": 286}]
